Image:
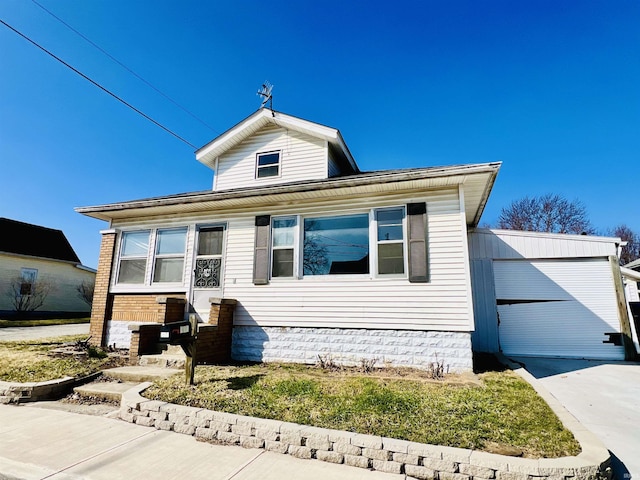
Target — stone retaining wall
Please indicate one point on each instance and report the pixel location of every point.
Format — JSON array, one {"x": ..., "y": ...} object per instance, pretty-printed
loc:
[
  {"x": 413, "y": 460},
  {"x": 12, "y": 392}
]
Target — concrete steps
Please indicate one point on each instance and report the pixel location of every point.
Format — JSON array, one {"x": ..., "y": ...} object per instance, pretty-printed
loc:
[
  {"x": 124, "y": 379},
  {"x": 141, "y": 373},
  {"x": 172, "y": 357},
  {"x": 107, "y": 391}
]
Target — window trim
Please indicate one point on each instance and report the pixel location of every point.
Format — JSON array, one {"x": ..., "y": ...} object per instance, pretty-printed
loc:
[
  {"x": 23, "y": 282},
  {"x": 155, "y": 256},
  {"x": 296, "y": 274},
  {"x": 349, "y": 213},
  {"x": 376, "y": 242},
  {"x": 148, "y": 283},
  {"x": 258, "y": 167},
  {"x": 121, "y": 257}
]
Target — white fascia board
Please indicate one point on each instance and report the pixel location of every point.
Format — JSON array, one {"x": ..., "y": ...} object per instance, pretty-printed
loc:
[
  {"x": 209, "y": 152},
  {"x": 560, "y": 236},
  {"x": 262, "y": 117},
  {"x": 627, "y": 272}
]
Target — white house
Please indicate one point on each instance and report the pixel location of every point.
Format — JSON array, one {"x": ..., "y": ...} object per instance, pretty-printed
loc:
[{"x": 322, "y": 259}]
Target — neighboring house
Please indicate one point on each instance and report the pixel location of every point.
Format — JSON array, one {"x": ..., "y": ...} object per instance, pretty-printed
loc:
[
  {"x": 32, "y": 257},
  {"x": 322, "y": 259}
]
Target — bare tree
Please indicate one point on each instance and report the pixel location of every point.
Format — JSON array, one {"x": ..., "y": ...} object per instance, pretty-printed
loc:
[
  {"x": 632, "y": 250},
  {"x": 85, "y": 291},
  {"x": 547, "y": 213},
  {"x": 26, "y": 296}
]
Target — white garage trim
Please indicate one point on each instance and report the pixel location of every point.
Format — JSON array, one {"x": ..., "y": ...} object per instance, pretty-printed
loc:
[{"x": 557, "y": 308}]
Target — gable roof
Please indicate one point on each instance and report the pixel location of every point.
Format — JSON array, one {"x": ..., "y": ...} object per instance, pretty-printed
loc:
[
  {"x": 264, "y": 117},
  {"x": 35, "y": 241},
  {"x": 478, "y": 179}
]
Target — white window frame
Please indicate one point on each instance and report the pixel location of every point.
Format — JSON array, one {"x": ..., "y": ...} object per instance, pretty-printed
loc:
[
  {"x": 148, "y": 284},
  {"x": 296, "y": 274},
  {"x": 121, "y": 257},
  {"x": 375, "y": 242},
  {"x": 259, "y": 167},
  {"x": 155, "y": 256},
  {"x": 298, "y": 246},
  {"x": 32, "y": 273},
  {"x": 221, "y": 256}
]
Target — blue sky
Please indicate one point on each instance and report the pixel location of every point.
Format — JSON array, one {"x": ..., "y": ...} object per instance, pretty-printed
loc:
[{"x": 550, "y": 88}]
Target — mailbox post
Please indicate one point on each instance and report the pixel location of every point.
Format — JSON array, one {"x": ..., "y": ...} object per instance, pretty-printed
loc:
[{"x": 185, "y": 334}]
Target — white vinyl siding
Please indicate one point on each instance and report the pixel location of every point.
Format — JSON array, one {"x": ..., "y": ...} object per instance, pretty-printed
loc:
[
  {"x": 385, "y": 302},
  {"x": 363, "y": 302},
  {"x": 302, "y": 157},
  {"x": 506, "y": 244}
]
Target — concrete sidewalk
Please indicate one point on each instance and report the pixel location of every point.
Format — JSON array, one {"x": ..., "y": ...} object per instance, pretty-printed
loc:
[{"x": 38, "y": 443}]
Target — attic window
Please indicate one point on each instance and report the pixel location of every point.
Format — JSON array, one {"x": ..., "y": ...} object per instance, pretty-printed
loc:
[{"x": 268, "y": 164}]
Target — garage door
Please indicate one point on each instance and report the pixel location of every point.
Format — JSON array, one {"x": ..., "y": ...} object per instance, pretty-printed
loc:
[{"x": 557, "y": 308}]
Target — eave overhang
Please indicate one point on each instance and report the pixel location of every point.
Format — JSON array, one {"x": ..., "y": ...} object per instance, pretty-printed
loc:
[
  {"x": 477, "y": 180},
  {"x": 262, "y": 118}
]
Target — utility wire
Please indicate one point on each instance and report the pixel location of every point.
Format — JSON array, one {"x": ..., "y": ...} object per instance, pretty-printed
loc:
[
  {"x": 98, "y": 85},
  {"x": 123, "y": 65}
]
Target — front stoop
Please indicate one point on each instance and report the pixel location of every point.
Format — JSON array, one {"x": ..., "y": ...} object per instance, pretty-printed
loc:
[
  {"x": 172, "y": 357},
  {"x": 141, "y": 373}
]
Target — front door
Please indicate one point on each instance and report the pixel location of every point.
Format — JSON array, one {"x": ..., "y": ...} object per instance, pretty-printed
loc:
[{"x": 207, "y": 273}]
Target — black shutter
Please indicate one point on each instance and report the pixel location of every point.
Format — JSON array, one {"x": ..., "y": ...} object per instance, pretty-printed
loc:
[
  {"x": 417, "y": 233},
  {"x": 261, "y": 251}
]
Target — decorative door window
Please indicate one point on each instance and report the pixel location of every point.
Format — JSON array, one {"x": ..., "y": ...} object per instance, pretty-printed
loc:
[{"x": 207, "y": 273}]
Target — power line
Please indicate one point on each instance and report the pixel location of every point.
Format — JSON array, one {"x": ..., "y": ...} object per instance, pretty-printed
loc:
[
  {"x": 123, "y": 66},
  {"x": 98, "y": 85}
]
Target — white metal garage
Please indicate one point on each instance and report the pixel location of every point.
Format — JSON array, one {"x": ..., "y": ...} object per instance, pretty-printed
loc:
[
  {"x": 559, "y": 308},
  {"x": 539, "y": 294}
]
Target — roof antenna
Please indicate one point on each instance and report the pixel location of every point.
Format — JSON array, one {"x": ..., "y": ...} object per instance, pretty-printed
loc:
[{"x": 265, "y": 93}]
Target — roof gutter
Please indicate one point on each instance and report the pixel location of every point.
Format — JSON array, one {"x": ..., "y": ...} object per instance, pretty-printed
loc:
[{"x": 361, "y": 180}]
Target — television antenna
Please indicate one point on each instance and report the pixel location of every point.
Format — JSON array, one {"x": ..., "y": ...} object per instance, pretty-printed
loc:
[{"x": 265, "y": 93}]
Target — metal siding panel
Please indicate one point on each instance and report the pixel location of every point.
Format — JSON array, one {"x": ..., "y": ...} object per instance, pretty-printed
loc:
[{"x": 485, "y": 336}]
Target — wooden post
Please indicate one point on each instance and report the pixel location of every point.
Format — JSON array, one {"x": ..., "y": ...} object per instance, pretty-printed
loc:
[
  {"x": 623, "y": 312},
  {"x": 189, "y": 348}
]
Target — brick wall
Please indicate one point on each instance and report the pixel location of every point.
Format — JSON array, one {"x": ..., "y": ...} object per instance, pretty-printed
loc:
[
  {"x": 147, "y": 307},
  {"x": 214, "y": 344},
  {"x": 101, "y": 308},
  {"x": 144, "y": 340}
]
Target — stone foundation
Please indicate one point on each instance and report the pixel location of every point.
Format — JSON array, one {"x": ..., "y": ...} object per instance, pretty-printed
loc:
[{"x": 408, "y": 348}]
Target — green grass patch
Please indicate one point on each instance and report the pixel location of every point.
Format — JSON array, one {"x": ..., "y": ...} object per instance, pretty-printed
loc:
[
  {"x": 40, "y": 323},
  {"x": 501, "y": 409},
  {"x": 27, "y": 361}
]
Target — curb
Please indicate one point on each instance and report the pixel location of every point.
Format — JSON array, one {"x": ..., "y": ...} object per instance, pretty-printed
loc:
[{"x": 414, "y": 460}]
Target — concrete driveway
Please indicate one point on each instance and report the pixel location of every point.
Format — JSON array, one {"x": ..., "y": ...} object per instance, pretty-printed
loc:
[
  {"x": 33, "y": 333},
  {"x": 604, "y": 397}
]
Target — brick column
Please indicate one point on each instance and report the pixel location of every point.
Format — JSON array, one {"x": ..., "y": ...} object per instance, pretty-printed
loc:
[
  {"x": 101, "y": 306},
  {"x": 218, "y": 341}
]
